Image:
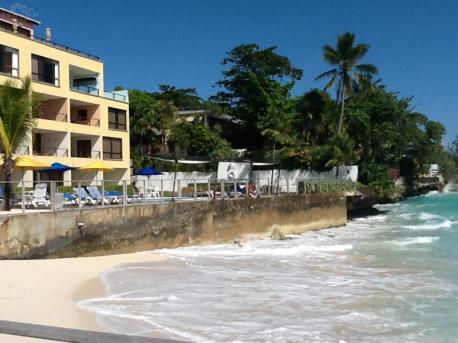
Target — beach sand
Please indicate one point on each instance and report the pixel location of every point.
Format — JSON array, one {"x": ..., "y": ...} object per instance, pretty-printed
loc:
[{"x": 46, "y": 291}]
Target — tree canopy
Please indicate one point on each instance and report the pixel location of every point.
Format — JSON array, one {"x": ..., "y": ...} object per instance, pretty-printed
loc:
[{"x": 381, "y": 129}]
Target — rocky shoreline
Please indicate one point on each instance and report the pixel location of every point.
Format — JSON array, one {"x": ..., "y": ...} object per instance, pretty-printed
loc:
[{"x": 361, "y": 203}]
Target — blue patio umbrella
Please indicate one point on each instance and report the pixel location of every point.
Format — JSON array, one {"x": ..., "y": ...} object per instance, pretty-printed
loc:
[
  {"x": 148, "y": 171},
  {"x": 57, "y": 167}
]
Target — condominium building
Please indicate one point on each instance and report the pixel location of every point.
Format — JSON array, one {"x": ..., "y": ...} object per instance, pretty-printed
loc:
[{"x": 80, "y": 122}]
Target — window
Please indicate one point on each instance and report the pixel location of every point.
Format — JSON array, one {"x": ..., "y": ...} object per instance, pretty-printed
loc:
[
  {"x": 83, "y": 148},
  {"x": 45, "y": 70},
  {"x": 9, "y": 61},
  {"x": 116, "y": 119},
  {"x": 82, "y": 115},
  {"x": 112, "y": 148}
]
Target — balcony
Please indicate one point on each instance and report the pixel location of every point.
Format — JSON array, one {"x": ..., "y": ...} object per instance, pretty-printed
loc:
[
  {"x": 49, "y": 143},
  {"x": 84, "y": 80},
  {"x": 85, "y": 146},
  {"x": 84, "y": 113},
  {"x": 117, "y": 95},
  {"x": 85, "y": 89},
  {"x": 53, "y": 108},
  {"x": 47, "y": 151}
]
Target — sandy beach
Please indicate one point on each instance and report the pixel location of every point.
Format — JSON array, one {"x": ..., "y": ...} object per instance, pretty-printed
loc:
[{"x": 46, "y": 291}]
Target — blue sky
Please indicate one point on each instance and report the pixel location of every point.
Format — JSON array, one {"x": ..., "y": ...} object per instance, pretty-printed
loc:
[{"x": 182, "y": 42}]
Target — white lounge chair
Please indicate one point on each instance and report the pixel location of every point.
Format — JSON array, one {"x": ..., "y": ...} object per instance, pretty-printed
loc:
[
  {"x": 96, "y": 195},
  {"x": 39, "y": 197},
  {"x": 83, "y": 197}
]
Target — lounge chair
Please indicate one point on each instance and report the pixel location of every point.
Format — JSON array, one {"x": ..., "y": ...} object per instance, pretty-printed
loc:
[
  {"x": 39, "y": 197},
  {"x": 70, "y": 199},
  {"x": 97, "y": 195},
  {"x": 113, "y": 197},
  {"x": 82, "y": 197}
]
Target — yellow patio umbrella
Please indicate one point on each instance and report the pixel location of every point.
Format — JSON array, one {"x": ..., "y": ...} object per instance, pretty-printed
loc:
[
  {"x": 27, "y": 163},
  {"x": 97, "y": 166}
]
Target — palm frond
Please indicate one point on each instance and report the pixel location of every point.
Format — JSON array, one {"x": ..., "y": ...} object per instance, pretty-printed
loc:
[
  {"x": 18, "y": 110},
  {"x": 366, "y": 68},
  {"x": 326, "y": 74}
]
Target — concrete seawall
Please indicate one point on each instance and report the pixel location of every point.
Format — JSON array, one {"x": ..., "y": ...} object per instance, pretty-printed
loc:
[{"x": 110, "y": 230}]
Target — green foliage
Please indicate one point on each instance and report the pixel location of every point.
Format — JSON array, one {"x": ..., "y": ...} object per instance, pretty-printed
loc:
[
  {"x": 256, "y": 88},
  {"x": 348, "y": 74},
  {"x": 18, "y": 112},
  {"x": 199, "y": 140},
  {"x": 314, "y": 113},
  {"x": 366, "y": 124},
  {"x": 182, "y": 98},
  {"x": 19, "y": 108},
  {"x": 378, "y": 179},
  {"x": 151, "y": 119}
]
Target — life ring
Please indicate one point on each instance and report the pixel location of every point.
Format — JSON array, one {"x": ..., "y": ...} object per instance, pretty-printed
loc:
[{"x": 231, "y": 175}]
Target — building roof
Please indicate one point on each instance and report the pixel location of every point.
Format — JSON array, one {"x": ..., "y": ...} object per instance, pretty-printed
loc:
[{"x": 20, "y": 16}]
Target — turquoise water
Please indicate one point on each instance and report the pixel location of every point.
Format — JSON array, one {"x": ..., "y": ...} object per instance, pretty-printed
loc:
[{"x": 392, "y": 277}]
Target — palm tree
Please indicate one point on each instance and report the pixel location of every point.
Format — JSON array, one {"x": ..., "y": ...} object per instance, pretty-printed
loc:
[
  {"x": 18, "y": 112},
  {"x": 346, "y": 72}
]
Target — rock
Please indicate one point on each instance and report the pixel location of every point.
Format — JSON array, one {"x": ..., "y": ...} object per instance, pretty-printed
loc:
[
  {"x": 277, "y": 235},
  {"x": 238, "y": 243}
]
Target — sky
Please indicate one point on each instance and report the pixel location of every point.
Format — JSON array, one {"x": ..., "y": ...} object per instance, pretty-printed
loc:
[{"x": 143, "y": 43}]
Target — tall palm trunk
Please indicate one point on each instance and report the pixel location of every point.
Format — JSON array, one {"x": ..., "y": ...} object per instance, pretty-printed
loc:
[
  {"x": 342, "y": 109},
  {"x": 8, "y": 168}
]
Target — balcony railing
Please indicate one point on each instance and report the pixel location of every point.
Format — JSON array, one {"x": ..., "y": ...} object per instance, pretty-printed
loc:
[
  {"x": 45, "y": 151},
  {"x": 66, "y": 48},
  {"x": 62, "y": 117},
  {"x": 115, "y": 96},
  {"x": 93, "y": 154},
  {"x": 89, "y": 122},
  {"x": 85, "y": 89},
  {"x": 57, "y": 45}
]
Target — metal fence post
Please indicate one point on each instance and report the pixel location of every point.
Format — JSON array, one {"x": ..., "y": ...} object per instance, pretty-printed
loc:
[
  {"x": 144, "y": 191},
  {"x": 124, "y": 192},
  {"x": 269, "y": 189},
  {"x": 247, "y": 188},
  {"x": 236, "y": 193},
  {"x": 297, "y": 186},
  {"x": 103, "y": 193},
  {"x": 80, "y": 205},
  {"x": 287, "y": 185},
  {"x": 195, "y": 190},
  {"x": 162, "y": 189},
  {"x": 23, "y": 195},
  {"x": 209, "y": 191},
  {"x": 179, "y": 189},
  {"x": 53, "y": 197},
  {"x": 222, "y": 189}
]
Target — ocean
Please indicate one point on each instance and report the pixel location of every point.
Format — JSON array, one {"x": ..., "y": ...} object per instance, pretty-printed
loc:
[{"x": 392, "y": 277}]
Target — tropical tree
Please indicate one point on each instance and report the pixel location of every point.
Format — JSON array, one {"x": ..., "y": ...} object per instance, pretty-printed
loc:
[
  {"x": 151, "y": 121},
  {"x": 348, "y": 74},
  {"x": 256, "y": 81},
  {"x": 18, "y": 111},
  {"x": 314, "y": 112},
  {"x": 183, "y": 98}
]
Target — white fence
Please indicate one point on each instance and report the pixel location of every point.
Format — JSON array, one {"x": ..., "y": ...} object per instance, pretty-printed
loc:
[{"x": 287, "y": 178}]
